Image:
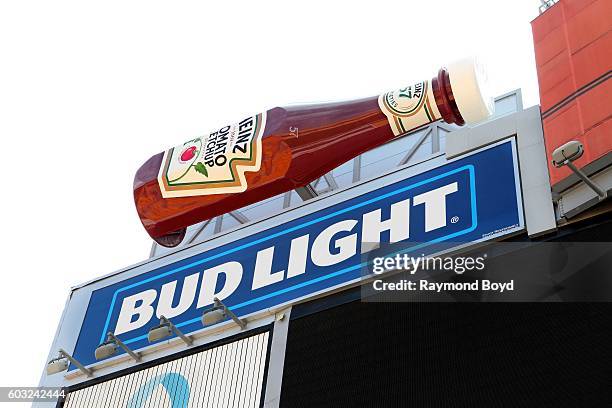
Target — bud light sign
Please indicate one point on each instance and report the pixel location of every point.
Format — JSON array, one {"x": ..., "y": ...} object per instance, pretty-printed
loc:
[{"x": 469, "y": 199}]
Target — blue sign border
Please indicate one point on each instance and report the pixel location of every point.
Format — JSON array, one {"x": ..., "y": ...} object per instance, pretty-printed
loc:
[
  {"x": 468, "y": 167},
  {"x": 477, "y": 169}
]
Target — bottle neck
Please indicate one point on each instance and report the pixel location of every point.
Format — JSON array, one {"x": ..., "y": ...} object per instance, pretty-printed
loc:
[{"x": 443, "y": 94}]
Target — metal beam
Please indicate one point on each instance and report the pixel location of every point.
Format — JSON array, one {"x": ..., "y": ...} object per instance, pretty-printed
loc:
[
  {"x": 435, "y": 138},
  {"x": 199, "y": 231},
  {"x": 277, "y": 359},
  {"x": 153, "y": 250},
  {"x": 414, "y": 148},
  {"x": 331, "y": 181},
  {"x": 218, "y": 224},
  {"x": 582, "y": 197},
  {"x": 357, "y": 169},
  {"x": 239, "y": 216},
  {"x": 307, "y": 192},
  {"x": 287, "y": 199},
  {"x": 87, "y": 371}
]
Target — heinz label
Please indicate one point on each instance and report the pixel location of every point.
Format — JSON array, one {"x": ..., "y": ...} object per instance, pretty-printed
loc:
[
  {"x": 215, "y": 163},
  {"x": 410, "y": 107}
]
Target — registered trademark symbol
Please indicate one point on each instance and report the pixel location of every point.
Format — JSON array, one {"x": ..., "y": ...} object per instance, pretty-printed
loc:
[{"x": 454, "y": 220}]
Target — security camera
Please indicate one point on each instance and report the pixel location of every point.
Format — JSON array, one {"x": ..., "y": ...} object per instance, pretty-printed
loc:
[
  {"x": 159, "y": 332},
  {"x": 106, "y": 350},
  {"x": 57, "y": 366},
  {"x": 571, "y": 151},
  {"x": 213, "y": 316}
]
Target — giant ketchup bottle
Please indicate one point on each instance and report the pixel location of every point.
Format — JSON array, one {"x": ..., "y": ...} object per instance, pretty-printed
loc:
[{"x": 286, "y": 148}]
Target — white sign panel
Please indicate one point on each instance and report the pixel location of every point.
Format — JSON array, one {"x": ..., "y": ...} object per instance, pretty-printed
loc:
[{"x": 226, "y": 376}]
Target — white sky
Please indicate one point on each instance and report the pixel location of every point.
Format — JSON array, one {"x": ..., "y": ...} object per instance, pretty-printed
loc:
[{"x": 90, "y": 90}]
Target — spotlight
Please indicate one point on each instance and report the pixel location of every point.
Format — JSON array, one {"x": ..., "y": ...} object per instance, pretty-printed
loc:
[
  {"x": 165, "y": 329},
  {"x": 57, "y": 365},
  {"x": 213, "y": 316},
  {"x": 61, "y": 363},
  {"x": 565, "y": 156},
  {"x": 218, "y": 313},
  {"x": 105, "y": 350},
  {"x": 109, "y": 348},
  {"x": 159, "y": 332}
]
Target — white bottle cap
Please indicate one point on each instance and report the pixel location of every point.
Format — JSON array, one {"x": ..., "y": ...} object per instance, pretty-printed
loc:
[{"x": 469, "y": 84}]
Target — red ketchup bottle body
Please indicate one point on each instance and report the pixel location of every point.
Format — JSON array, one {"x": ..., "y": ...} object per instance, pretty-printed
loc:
[{"x": 277, "y": 151}]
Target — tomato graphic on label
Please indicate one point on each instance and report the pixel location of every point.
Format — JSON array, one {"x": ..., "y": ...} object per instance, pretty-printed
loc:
[{"x": 189, "y": 153}]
